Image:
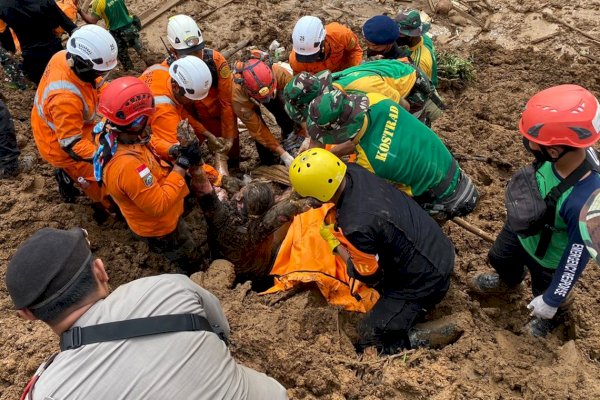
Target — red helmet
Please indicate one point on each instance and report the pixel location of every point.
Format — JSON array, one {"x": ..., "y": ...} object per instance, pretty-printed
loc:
[
  {"x": 257, "y": 77},
  {"x": 567, "y": 115},
  {"x": 126, "y": 100}
]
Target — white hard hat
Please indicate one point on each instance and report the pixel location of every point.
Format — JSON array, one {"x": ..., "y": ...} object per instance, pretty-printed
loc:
[
  {"x": 193, "y": 75},
  {"x": 94, "y": 43},
  {"x": 308, "y": 35},
  {"x": 183, "y": 33}
]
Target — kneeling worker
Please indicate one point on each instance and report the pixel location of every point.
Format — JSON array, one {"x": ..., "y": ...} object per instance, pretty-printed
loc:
[
  {"x": 386, "y": 240},
  {"x": 149, "y": 194},
  {"x": 54, "y": 277}
]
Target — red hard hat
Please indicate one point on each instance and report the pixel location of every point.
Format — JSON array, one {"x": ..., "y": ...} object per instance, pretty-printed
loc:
[
  {"x": 259, "y": 79},
  {"x": 126, "y": 99},
  {"x": 567, "y": 115}
]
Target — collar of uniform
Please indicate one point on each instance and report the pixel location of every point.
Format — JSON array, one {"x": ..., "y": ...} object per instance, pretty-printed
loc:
[{"x": 362, "y": 130}]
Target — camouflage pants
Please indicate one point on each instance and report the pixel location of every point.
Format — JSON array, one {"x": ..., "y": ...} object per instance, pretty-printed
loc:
[
  {"x": 12, "y": 70},
  {"x": 128, "y": 37}
]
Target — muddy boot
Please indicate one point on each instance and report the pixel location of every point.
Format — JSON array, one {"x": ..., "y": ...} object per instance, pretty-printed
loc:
[
  {"x": 490, "y": 283},
  {"x": 539, "y": 327},
  {"x": 434, "y": 334}
]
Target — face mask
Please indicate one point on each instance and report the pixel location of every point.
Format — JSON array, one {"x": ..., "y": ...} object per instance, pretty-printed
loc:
[{"x": 541, "y": 155}]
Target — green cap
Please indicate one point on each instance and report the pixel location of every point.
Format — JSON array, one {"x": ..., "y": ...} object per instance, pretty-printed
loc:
[
  {"x": 301, "y": 90},
  {"x": 589, "y": 224},
  {"x": 410, "y": 23},
  {"x": 335, "y": 117}
]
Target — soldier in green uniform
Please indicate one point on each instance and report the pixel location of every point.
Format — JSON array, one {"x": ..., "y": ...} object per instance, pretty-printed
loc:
[
  {"x": 124, "y": 27},
  {"x": 394, "y": 145}
]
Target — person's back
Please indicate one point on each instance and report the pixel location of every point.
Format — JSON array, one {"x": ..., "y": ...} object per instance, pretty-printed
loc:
[
  {"x": 181, "y": 365},
  {"x": 391, "y": 78},
  {"x": 33, "y": 22},
  {"x": 398, "y": 147},
  {"x": 407, "y": 238}
]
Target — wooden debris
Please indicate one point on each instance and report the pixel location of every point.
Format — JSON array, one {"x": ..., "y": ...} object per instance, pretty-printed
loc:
[
  {"x": 473, "y": 229},
  {"x": 147, "y": 18},
  {"x": 466, "y": 15},
  {"x": 237, "y": 47},
  {"x": 273, "y": 173},
  {"x": 431, "y": 5},
  {"x": 545, "y": 37},
  {"x": 550, "y": 17}
]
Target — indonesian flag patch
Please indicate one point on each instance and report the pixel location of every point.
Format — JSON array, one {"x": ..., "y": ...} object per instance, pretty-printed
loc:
[{"x": 145, "y": 175}]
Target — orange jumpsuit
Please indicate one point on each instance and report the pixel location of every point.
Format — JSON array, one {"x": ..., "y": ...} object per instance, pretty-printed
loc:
[
  {"x": 215, "y": 111},
  {"x": 62, "y": 119},
  {"x": 148, "y": 193},
  {"x": 169, "y": 112},
  {"x": 249, "y": 112},
  {"x": 342, "y": 51}
]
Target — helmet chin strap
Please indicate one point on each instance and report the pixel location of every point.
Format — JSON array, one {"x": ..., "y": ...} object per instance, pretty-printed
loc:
[{"x": 83, "y": 69}]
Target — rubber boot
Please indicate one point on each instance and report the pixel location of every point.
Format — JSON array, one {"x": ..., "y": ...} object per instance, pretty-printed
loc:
[
  {"x": 490, "y": 283},
  {"x": 434, "y": 334}
]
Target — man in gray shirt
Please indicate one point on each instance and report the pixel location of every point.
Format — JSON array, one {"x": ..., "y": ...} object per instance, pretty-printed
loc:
[{"x": 54, "y": 277}]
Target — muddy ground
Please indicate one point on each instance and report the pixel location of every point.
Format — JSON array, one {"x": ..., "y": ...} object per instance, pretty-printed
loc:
[{"x": 303, "y": 342}]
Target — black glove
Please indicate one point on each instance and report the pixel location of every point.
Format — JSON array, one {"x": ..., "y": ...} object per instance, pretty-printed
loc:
[
  {"x": 183, "y": 162},
  {"x": 192, "y": 153}
]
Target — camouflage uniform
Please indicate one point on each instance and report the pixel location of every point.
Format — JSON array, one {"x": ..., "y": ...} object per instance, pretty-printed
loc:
[
  {"x": 336, "y": 117},
  {"x": 303, "y": 89},
  {"x": 129, "y": 37},
  {"x": 394, "y": 145},
  {"x": 12, "y": 70}
]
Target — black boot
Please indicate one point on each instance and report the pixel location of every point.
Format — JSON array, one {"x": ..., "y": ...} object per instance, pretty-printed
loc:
[{"x": 66, "y": 186}]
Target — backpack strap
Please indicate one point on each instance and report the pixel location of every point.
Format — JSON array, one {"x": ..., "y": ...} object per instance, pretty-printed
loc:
[
  {"x": 132, "y": 328},
  {"x": 209, "y": 60},
  {"x": 551, "y": 201}
]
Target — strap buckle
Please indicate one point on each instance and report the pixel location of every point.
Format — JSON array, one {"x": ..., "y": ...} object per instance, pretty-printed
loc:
[{"x": 71, "y": 339}]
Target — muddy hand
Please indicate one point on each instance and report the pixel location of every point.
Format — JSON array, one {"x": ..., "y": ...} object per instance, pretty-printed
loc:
[{"x": 185, "y": 133}]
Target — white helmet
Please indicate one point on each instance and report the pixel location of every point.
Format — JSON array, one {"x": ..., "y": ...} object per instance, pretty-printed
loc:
[
  {"x": 183, "y": 33},
  {"x": 193, "y": 75},
  {"x": 94, "y": 43},
  {"x": 307, "y": 36}
]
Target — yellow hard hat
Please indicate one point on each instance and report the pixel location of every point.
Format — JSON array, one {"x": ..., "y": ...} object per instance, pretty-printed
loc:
[{"x": 317, "y": 173}]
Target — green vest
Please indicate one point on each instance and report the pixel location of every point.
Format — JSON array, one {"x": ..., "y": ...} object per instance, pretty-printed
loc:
[
  {"x": 546, "y": 180},
  {"x": 396, "y": 146}
]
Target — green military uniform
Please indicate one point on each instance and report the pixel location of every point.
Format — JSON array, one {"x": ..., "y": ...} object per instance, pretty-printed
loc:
[
  {"x": 123, "y": 26},
  {"x": 390, "y": 78},
  {"x": 396, "y": 146}
]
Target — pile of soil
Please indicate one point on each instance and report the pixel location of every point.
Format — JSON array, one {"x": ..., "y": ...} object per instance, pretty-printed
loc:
[{"x": 302, "y": 341}]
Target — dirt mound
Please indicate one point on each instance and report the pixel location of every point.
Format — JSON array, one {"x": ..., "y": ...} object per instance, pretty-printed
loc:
[{"x": 303, "y": 342}]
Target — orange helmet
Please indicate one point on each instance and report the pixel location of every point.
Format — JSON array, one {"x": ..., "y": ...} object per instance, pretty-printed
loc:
[
  {"x": 126, "y": 102},
  {"x": 257, "y": 78},
  {"x": 566, "y": 115}
]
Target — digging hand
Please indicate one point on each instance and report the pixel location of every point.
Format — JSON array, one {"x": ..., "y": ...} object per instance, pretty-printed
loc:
[{"x": 540, "y": 309}]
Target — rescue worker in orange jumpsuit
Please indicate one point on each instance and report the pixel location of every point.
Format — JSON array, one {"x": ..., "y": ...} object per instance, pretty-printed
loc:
[
  {"x": 257, "y": 82},
  {"x": 215, "y": 111},
  {"x": 64, "y": 109},
  {"x": 186, "y": 80},
  {"x": 148, "y": 192},
  {"x": 317, "y": 48}
]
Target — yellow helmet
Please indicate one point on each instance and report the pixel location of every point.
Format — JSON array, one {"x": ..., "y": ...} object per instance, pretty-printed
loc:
[{"x": 317, "y": 173}]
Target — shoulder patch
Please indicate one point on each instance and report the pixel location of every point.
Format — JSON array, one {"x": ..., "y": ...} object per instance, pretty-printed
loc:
[
  {"x": 224, "y": 71},
  {"x": 352, "y": 44},
  {"x": 145, "y": 174}
]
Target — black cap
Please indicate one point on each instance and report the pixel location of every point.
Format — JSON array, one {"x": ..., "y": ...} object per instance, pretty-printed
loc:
[{"x": 46, "y": 265}]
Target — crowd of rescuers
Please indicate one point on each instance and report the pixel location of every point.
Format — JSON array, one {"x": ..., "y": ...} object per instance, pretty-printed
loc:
[{"x": 355, "y": 137}]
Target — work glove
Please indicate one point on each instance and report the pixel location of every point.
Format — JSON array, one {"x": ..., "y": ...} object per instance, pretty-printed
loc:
[
  {"x": 287, "y": 159},
  {"x": 326, "y": 232},
  {"x": 174, "y": 151},
  {"x": 192, "y": 153},
  {"x": 305, "y": 145},
  {"x": 540, "y": 309},
  {"x": 292, "y": 143}
]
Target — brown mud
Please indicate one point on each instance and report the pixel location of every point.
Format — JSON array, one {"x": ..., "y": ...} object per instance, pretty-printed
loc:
[{"x": 303, "y": 342}]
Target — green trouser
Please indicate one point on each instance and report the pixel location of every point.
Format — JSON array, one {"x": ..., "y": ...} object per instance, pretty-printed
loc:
[{"x": 128, "y": 37}]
